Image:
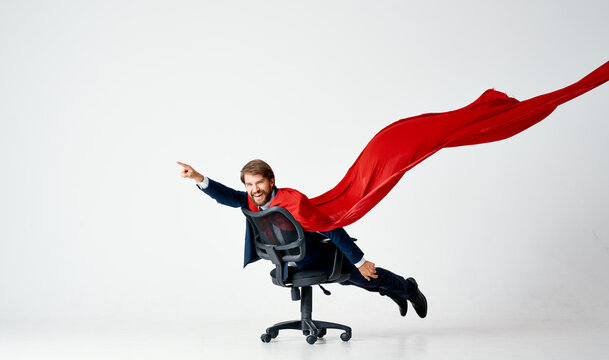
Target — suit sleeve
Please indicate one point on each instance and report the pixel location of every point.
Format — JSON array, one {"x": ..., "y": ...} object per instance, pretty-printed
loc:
[
  {"x": 345, "y": 244},
  {"x": 225, "y": 195}
]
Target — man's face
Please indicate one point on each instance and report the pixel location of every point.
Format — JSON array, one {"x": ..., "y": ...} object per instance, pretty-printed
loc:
[{"x": 258, "y": 188}]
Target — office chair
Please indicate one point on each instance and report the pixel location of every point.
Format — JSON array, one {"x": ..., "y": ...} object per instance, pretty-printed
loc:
[{"x": 278, "y": 237}]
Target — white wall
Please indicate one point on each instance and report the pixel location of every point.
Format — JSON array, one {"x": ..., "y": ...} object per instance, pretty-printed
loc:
[{"x": 98, "y": 100}]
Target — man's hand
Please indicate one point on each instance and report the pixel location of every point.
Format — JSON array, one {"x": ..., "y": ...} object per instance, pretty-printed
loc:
[
  {"x": 189, "y": 172},
  {"x": 368, "y": 270}
]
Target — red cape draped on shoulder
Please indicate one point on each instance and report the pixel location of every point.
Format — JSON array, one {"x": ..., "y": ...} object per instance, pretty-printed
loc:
[
  {"x": 303, "y": 210},
  {"x": 405, "y": 143}
]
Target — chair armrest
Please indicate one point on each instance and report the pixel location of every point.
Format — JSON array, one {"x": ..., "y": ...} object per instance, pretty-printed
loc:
[
  {"x": 327, "y": 240},
  {"x": 315, "y": 236},
  {"x": 324, "y": 239},
  {"x": 337, "y": 266},
  {"x": 274, "y": 257}
]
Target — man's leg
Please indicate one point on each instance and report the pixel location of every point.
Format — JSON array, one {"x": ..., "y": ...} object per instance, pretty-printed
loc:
[
  {"x": 386, "y": 282},
  {"x": 392, "y": 285}
]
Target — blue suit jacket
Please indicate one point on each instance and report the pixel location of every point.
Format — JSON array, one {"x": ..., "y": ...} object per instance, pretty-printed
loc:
[{"x": 317, "y": 255}]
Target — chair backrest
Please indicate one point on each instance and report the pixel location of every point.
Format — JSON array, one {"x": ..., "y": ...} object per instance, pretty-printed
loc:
[{"x": 278, "y": 237}]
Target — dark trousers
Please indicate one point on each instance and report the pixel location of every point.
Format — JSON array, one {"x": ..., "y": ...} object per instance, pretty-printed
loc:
[{"x": 387, "y": 283}]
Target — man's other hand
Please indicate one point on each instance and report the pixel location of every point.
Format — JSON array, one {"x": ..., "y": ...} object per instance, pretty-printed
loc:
[
  {"x": 188, "y": 172},
  {"x": 368, "y": 270}
]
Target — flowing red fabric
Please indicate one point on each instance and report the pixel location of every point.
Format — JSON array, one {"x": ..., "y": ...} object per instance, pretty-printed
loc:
[{"x": 403, "y": 144}]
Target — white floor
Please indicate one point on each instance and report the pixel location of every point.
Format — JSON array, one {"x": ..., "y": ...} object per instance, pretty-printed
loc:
[{"x": 410, "y": 339}]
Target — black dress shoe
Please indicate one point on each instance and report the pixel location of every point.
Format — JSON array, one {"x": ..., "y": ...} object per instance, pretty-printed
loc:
[
  {"x": 402, "y": 303},
  {"x": 418, "y": 300}
]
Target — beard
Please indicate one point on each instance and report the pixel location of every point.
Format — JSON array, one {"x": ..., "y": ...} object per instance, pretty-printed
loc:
[{"x": 266, "y": 196}]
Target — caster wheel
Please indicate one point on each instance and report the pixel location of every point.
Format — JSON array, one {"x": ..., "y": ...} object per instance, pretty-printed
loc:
[
  {"x": 265, "y": 337},
  {"x": 311, "y": 339},
  {"x": 306, "y": 332},
  {"x": 345, "y": 336},
  {"x": 321, "y": 333},
  {"x": 274, "y": 334}
]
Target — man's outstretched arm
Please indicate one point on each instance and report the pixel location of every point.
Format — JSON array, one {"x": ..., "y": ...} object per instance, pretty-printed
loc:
[
  {"x": 190, "y": 173},
  {"x": 222, "y": 194}
]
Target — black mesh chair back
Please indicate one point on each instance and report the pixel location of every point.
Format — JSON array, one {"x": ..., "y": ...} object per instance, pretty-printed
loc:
[{"x": 278, "y": 236}]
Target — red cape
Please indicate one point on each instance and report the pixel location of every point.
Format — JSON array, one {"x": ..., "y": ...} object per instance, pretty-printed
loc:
[{"x": 405, "y": 143}]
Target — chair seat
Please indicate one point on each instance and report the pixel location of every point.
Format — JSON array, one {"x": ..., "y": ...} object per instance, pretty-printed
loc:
[{"x": 303, "y": 277}]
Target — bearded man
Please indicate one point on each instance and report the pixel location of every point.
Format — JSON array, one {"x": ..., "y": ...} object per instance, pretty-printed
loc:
[{"x": 259, "y": 181}]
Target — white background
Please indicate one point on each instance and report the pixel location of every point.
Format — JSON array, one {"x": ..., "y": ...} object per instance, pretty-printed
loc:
[{"x": 98, "y": 99}]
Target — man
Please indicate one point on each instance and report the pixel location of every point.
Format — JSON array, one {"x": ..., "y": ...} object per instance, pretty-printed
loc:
[{"x": 259, "y": 181}]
